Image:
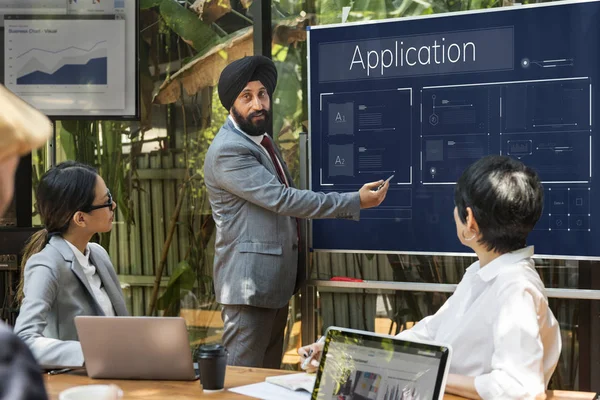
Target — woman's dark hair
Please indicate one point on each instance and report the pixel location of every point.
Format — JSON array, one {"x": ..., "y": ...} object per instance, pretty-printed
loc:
[
  {"x": 506, "y": 197},
  {"x": 63, "y": 190}
]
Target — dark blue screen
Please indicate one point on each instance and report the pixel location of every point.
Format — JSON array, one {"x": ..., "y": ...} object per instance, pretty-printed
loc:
[{"x": 423, "y": 98}]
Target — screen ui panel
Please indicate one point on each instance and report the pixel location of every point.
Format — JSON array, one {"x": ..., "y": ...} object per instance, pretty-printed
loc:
[{"x": 423, "y": 98}]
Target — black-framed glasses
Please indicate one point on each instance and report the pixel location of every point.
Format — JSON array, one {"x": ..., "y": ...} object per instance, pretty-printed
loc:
[{"x": 109, "y": 203}]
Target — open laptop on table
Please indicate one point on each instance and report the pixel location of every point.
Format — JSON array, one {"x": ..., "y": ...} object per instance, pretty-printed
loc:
[
  {"x": 155, "y": 348},
  {"x": 361, "y": 365}
]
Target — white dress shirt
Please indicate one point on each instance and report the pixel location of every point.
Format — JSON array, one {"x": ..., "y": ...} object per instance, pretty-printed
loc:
[
  {"x": 500, "y": 327},
  {"x": 258, "y": 140},
  {"x": 93, "y": 279}
]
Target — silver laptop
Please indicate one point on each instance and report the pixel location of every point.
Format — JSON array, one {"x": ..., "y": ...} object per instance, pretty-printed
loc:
[
  {"x": 136, "y": 347},
  {"x": 361, "y": 365}
]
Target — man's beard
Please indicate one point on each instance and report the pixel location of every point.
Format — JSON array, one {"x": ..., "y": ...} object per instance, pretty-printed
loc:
[{"x": 250, "y": 127}]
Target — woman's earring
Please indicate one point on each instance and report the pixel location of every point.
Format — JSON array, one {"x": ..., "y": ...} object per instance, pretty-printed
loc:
[{"x": 468, "y": 239}]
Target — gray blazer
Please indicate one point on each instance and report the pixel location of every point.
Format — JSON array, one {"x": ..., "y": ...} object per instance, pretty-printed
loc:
[
  {"x": 56, "y": 291},
  {"x": 256, "y": 248}
]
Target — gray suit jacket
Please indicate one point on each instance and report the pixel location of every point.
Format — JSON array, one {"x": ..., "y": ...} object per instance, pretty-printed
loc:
[
  {"x": 256, "y": 249},
  {"x": 56, "y": 291}
]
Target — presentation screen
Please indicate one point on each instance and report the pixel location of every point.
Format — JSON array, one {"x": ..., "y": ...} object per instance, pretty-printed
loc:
[
  {"x": 422, "y": 98},
  {"x": 78, "y": 60}
]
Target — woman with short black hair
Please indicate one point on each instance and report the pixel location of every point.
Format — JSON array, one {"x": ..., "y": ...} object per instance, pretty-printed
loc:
[
  {"x": 503, "y": 198},
  {"x": 505, "y": 339}
]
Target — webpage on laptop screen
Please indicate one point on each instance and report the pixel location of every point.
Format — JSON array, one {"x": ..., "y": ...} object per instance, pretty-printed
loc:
[{"x": 374, "y": 370}]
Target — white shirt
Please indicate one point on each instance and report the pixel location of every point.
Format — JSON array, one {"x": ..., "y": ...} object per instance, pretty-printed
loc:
[
  {"x": 500, "y": 328},
  {"x": 258, "y": 141},
  {"x": 93, "y": 279}
]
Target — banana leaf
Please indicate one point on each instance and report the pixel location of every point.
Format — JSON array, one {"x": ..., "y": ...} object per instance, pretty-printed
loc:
[
  {"x": 187, "y": 25},
  {"x": 79, "y": 141},
  {"x": 182, "y": 279},
  {"x": 204, "y": 69}
]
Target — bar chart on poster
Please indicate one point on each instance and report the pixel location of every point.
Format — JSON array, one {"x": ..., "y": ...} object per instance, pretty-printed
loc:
[{"x": 422, "y": 98}]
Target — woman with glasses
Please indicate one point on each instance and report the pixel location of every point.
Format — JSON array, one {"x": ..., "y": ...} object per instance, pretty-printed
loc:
[{"x": 63, "y": 274}]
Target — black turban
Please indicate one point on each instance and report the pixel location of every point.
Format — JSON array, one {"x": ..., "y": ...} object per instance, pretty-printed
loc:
[{"x": 236, "y": 76}]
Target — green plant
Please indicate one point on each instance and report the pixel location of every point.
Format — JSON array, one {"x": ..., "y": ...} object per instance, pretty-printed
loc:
[
  {"x": 99, "y": 144},
  {"x": 200, "y": 224}
]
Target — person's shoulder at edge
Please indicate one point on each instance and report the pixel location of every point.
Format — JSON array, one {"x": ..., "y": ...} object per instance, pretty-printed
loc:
[
  {"x": 20, "y": 375},
  {"x": 22, "y": 127}
]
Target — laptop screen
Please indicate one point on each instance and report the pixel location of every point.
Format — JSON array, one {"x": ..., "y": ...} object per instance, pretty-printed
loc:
[{"x": 360, "y": 365}]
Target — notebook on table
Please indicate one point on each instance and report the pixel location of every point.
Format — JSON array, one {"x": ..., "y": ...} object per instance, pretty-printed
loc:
[{"x": 294, "y": 382}]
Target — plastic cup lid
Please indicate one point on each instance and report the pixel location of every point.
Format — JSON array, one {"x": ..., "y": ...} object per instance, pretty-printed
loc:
[{"x": 212, "y": 350}]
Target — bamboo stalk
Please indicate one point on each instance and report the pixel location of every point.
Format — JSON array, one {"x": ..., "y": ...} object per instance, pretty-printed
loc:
[
  {"x": 166, "y": 246},
  {"x": 174, "y": 218}
]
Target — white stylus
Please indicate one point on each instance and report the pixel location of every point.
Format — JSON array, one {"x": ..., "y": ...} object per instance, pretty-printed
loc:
[
  {"x": 310, "y": 357},
  {"x": 387, "y": 180}
]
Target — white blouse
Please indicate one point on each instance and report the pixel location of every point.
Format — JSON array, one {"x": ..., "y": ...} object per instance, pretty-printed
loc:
[
  {"x": 93, "y": 279},
  {"x": 500, "y": 328}
]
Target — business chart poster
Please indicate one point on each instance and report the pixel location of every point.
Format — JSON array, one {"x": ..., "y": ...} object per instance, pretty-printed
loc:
[
  {"x": 64, "y": 64},
  {"x": 422, "y": 98}
]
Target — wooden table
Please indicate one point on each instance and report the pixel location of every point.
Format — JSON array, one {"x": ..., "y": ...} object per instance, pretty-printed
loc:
[
  {"x": 171, "y": 390},
  {"x": 235, "y": 376}
]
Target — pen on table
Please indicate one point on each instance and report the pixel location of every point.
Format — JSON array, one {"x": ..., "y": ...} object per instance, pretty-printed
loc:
[
  {"x": 311, "y": 354},
  {"x": 59, "y": 371}
]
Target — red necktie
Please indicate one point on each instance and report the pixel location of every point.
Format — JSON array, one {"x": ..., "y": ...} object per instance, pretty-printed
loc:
[{"x": 268, "y": 145}]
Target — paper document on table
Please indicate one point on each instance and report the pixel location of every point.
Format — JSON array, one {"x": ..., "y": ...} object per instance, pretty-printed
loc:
[
  {"x": 268, "y": 391},
  {"x": 302, "y": 381}
]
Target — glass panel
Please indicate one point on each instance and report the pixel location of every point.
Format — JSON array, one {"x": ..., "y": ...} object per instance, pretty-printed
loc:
[
  {"x": 40, "y": 161},
  {"x": 163, "y": 229},
  {"x": 437, "y": 269},
  {"x": 290, "y": 117}
]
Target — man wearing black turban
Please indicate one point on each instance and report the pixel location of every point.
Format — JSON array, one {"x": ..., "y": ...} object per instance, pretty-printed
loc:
[
  {"x": 236, "y": 76},
  {"x": 255, "y": 208}
]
